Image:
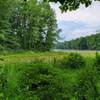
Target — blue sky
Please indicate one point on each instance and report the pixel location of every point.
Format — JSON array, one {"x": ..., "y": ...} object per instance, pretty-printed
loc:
[{"x": 82, "y": 22}]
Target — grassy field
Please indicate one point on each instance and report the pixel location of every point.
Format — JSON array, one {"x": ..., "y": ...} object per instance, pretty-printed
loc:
[
  {"x": 30, "y": 56},
  {"x": 42, "y": 76}
]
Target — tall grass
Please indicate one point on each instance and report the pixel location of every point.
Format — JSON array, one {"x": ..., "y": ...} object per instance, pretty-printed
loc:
[{"x": 45, "y": 77}]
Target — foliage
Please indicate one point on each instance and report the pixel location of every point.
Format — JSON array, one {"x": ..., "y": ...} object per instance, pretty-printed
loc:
[
  {"x": 74, "y": 60},
  {"x": 3, "y": 83},
  {"x": 84, "y": 43},
  {"x": 28, "y": 25},
  {"x": 43, "y": 83},
  {"x": 27, "y": 77},
  {"x": 86, "y": 89},
  {"x": 97, "y": 61},
  {"x": 72, "y": 4},
  {"x": 1, "y": 47}
]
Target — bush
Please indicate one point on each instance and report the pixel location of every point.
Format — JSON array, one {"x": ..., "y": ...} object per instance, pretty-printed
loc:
[
  {"x": 87, "y": 89},
  {"x": 42, "y": 83},
  {"x": 3, "y": 84},
  {"x": 97, "y": 61},
  {"x": 74, "y": 60}
]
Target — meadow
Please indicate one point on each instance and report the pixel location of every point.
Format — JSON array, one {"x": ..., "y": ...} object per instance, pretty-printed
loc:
[{"x": 49, "y": 76}]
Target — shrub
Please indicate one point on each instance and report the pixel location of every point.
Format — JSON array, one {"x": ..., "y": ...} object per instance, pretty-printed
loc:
[
  {"x": 3, "y": 84},
  {"x": 87, "y": 89},
  {"x": 74, "y": 60},
  {"x": 97, "y": 61},
  {"x": 42, "y": 83}
]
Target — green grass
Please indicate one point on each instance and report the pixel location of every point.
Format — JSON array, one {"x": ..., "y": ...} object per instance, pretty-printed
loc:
[
  {"x": 13, "y": 65},
  {"x": 30, "y": 56}
]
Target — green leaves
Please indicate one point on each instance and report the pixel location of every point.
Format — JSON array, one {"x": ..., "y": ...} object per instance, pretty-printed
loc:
[
  {"x": 27, "y": 25},
  {"x": 84, "y": 43},
  {"x": 72, "y": 4}
]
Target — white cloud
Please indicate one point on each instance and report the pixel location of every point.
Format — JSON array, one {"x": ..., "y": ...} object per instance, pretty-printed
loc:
[{"x": 89, "y": 16}]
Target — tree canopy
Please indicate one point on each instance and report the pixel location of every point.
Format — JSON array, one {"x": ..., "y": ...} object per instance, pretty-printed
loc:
[
  {"x": 83, "y": 43},
  {"x": 27, "y": 24},
  {"x": 72, "y": 4}
]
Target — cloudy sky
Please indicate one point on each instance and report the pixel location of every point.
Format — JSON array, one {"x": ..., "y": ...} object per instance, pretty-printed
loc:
[{"x": 82, "y": 22}]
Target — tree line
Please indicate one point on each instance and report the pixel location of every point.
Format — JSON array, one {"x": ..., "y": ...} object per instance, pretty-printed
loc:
[
  {"x": 83, "y": 43},
  {"x": 27, "y": 25}
]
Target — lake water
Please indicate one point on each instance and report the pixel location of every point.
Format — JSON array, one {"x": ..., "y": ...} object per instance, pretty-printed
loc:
[{"x": 63, "y": 50}]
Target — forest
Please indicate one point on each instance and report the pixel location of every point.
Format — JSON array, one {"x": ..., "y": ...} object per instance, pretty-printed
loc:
[
  {"x": 83, "y": 43},
  {"x": 27, "y": 25}
]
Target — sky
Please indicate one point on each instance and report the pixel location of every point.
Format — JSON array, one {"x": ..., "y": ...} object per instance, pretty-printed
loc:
[{"x": 75, "y": 24}]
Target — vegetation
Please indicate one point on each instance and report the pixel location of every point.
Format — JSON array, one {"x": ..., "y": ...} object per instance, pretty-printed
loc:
[
  {"x": 84, "y": 43},
  {"x": 72, "y": 4},
  {"x": 30, "y": 25},
  {"x": 74, "y": 60},
  {"x": 38, "y": 78},
  {"x": 27, "y": 25}
]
